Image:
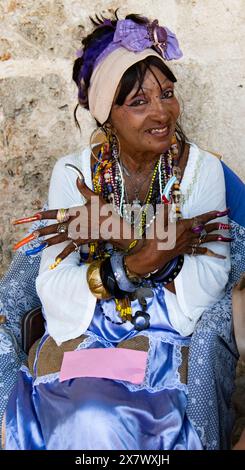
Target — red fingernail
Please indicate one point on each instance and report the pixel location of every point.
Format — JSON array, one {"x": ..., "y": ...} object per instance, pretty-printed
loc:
[
  {"x": 220, "y": 214},
  {"x": 224, "y": 239},
  {"x": 224, "y": 226}
]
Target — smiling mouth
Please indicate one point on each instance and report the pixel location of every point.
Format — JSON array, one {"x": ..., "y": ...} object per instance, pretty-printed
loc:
[{"x": 159, "y": 131}]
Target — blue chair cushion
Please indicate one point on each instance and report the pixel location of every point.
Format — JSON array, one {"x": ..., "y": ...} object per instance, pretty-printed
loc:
[{"x": 235, "y": 195}]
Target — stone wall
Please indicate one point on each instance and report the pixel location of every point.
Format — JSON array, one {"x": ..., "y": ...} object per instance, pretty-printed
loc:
[{"x": 37, "y": 46}]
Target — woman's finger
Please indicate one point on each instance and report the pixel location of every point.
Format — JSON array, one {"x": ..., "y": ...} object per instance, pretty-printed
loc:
[
  {"x": 61, "y": 237},
  {"x": 217, "y": 226},
  {"x": 50, "y": 229},
  {"x": 73, "y": 246},
  {"x": 206, "y": 217},
  {"x": 197, "y": 250},
  {"x": 85, "y": 190},
  {"x": 45, "y": 244},
  {"x": 54, "y": 228},
  {"x": 211, "y": 238},
  {"x": 202, "y": 219},
  {"x": 61, "y": 215},
  {"x": 38, "y": 216},
  {"x": 25, "y": 240}
]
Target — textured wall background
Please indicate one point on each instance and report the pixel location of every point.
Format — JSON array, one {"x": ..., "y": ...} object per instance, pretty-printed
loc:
[{"x": 37, "y": 46}]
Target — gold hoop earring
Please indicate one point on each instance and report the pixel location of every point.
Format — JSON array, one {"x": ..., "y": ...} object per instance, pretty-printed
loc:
[
  {"x": 98, "y": 138},
  {"x": 104, "y": 137}
]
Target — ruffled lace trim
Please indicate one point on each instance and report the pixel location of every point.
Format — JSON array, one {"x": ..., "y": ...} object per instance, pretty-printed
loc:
[
  {"x": 177, "y": 359},
  {"x": 91, "y": 339},
  {"x": 44, "y": 379}
]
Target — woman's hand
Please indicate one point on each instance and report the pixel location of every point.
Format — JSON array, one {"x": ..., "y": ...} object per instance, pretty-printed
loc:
[
  {"x": 152, "y": 255},
  {"x": 97, "y": 221},
  {"x": 94, "y": 221}
]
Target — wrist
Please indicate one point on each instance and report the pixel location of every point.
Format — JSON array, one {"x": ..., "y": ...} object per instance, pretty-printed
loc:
[
  {"x": 141, "y": 264},
  {"x": 169, "y": 272},
  {"x": 135, "y": 265}
]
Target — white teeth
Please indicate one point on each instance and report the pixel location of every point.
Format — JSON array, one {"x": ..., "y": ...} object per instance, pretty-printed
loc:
[{"x": 159, "y": 131}]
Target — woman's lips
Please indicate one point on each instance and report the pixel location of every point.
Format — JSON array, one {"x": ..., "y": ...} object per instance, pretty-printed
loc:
[{"x": 159, "y": 131}]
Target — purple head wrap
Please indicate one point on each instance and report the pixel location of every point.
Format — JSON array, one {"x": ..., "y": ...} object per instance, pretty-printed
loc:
[
  {"x": 132, "y": 36},
  {"x": 138, "y": 37}
]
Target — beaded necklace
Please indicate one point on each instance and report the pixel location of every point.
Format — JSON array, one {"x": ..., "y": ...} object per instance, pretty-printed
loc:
[{"x": 108, "y": 180}]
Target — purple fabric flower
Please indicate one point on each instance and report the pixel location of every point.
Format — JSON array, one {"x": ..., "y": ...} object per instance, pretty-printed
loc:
[
  {"x": 138, "y": 37},
  {"x": 173, "y": 50},
  {"x": 132, "y": 36}
]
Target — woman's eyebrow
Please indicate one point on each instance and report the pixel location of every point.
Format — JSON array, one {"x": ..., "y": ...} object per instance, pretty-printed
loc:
[
  {"x": 142, "y": 88},
  {"x": 160, "y": 83}
]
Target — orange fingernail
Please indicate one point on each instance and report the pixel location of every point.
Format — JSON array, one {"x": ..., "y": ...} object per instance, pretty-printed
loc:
[
  {"x": 24, "y": 241},
  {"x": 24, "y": 220}
]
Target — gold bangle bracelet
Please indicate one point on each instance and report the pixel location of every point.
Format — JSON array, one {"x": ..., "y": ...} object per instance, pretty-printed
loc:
[{"x": 95, "y": 283}]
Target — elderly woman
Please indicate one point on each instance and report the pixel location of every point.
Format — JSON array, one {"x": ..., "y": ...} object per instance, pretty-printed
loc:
[{"x": 124, "y": 306}]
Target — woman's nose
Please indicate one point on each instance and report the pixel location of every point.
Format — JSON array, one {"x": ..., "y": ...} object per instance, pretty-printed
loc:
[{"x": 158, "y": 109}]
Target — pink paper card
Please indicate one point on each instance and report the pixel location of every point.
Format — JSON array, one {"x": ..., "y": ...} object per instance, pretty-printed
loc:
[{"x": 107, "y": 363}]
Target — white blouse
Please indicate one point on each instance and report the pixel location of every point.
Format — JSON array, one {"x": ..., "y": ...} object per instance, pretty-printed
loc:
[{"x": 67, "y": 301}]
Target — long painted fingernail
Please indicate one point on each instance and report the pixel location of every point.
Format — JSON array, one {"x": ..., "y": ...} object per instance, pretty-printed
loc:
[
  {"x": 214, "y": 255},
  {"x": 224, "y": 227},
  {"x": 24, "y": 220},
  {"x": 224, "y": 239},
  {"x": 36, "y": 250},
  {"x": 24, "y": 241},
  {"x": 220, "y": 214},
  {"x": 76, "y": 170},
  {"x": 56, "y": 263}
]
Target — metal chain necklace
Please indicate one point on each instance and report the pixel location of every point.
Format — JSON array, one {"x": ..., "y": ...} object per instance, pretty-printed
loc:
[
  {"x": 137, "y": 187},
  {"x": 136, "y": 206}
]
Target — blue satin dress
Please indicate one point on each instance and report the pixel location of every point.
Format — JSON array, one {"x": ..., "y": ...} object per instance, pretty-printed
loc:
[{"x": 105, "y": 414}]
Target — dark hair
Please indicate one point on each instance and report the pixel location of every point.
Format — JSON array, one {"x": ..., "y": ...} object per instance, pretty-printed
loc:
[
  {"x": 97, "y": 41},
  {"x": 136, "y": 74}
]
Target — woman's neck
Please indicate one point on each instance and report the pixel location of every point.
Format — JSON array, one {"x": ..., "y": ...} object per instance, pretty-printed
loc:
[{"x": 138, "y": 163}]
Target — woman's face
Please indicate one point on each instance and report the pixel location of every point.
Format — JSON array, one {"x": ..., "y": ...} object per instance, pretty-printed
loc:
[{"x": 145, "y": 123}]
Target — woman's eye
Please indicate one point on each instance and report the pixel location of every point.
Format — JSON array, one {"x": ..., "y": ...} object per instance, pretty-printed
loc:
[
  {"x": 168, "y": 94},
  {"x": 138, "y": 102}
]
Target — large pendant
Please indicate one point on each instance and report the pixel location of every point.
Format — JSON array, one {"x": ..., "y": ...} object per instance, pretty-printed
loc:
[
  {"x": 141, "y": 320},
  {"x": 136, "y": 204},
  {"x": 136, "y": 210}
]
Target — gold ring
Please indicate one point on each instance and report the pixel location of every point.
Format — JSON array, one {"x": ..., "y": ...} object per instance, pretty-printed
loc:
[
  {"x": 62, "y": 215},
  {"x": 62, "y": 228}
]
